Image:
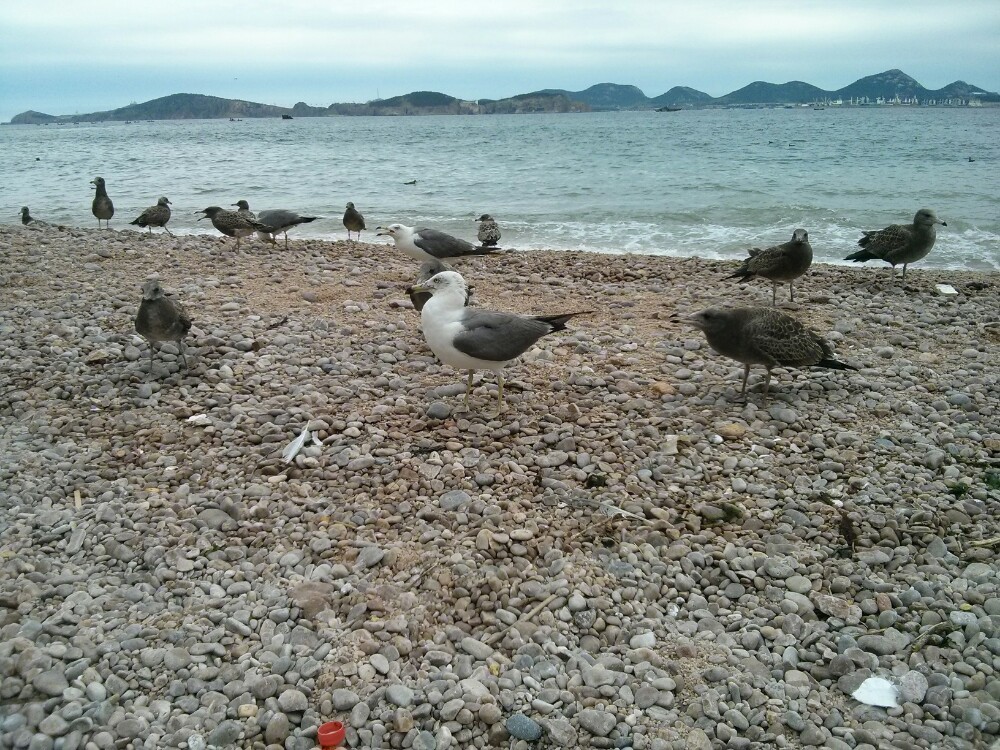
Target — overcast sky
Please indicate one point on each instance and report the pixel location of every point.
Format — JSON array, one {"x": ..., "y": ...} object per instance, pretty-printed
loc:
[{"x": 66, "y": 56}]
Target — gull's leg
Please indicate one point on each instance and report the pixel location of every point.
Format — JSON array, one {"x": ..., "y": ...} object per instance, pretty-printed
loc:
[
  {"x": 150, "y": 356},
  {"x": 468, "y": 388},
  {"x": 746, "y": 374},
  {"x": 774, "y": 294},
  {"x": 499, "y": 393},
  {"x": 167, "y": 230},
  {"x": 767, "y": 383},
  {"x": 904, "y": 274},
  {"x": 791, "y": 290},
  {"x": 286, "y": 241},
  {"x": 180, "y": 343}
]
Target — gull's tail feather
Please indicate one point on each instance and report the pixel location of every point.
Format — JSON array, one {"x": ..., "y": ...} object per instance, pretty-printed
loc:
[{"x": 558, "y": 322}]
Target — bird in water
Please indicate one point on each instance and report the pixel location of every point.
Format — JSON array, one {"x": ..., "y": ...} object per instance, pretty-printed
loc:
[
  {"x": 353, "y": 220},
  {"x": 900, "y": 243},
  {"x": 161, "y": 318},
  {"x": 778, "y": 264},
  {"x": 489, "y": 232},
  {"x": 102, "y": 206},
  {"x": 155, "y": 216}
]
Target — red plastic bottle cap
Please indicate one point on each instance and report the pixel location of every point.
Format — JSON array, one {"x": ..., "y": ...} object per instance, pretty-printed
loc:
[{"x": 331, "y": 734}]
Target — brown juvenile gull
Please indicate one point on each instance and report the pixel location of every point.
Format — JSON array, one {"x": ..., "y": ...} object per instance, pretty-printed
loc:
[
  {"x": 489, "y": 232},
  {"x": 763, "y": 336},
  {"x": 427, "y": 269},
  {"x": 231, "y": 223},
  {"x": 900, "y": 243},
  {"x": 780, "y": 263},
  {"x": 473, "y": 339},
  {"x": 430, "y": 244},
  {"x": 102, "y": 206},
  {"x": 161, "y": 318},
  {"x": 27, "y": 218},
  {"x": 155, "y": 216},
  {"x": 353, "y": 220},
  {"x": 243, "y": 209},
  {"x": 280, "y": 220}
]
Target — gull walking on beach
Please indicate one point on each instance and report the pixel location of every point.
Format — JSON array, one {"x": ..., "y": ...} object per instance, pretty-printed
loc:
[
  {"x": 353, "y": 220},
  {"x": 430, "y": 244},
  {"x": 102, "y": 206},
  {"x": 900, "y": 243},
  {"x": 231, "y": 223},
  {"x": 155, "y": 216},
  {"x": 280, "y": 220},
  {"x": 161, "y": 318},
  {"x": 489, "y": 232},
  {"x": 472, "y": 339},
  {"x": 763, "y": 336},
  {"x": 779, "y": 264}
]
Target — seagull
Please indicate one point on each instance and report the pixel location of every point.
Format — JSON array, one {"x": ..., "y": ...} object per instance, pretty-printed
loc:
[
  {"x": 427, "y": 269},
  {"x": 473, "y": 339},
  {"x": 353, "y": 220},
  {"x": 785, "y": 262},
  {"x": 430, "y": 244},
  {"x": 489, "y": 232},
  {"x": 102, "y": 206},
  {"x": 243, "y": 209},
  {"x": 231, "y": 223},
  {"x": 280, "y": 220},
  {"x": 161, "y": 318},
  {"x": 27, "y": 218},
  {"x": 900, "y": 243},
  {"x": 763, "y": 336},
  {"x": 155, "y": 216}
]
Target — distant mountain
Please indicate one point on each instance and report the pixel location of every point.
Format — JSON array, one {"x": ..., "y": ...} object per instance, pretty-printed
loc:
[
  {"x": 759, "y": 92},
  {"x": 888, "y": 86}
]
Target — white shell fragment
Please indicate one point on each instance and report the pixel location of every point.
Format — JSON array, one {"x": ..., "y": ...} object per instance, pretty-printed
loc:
[
  {"x": 877, "y": 691},
  {"x": 946, "y": 289},
  {"x": 198, "y": 419}
]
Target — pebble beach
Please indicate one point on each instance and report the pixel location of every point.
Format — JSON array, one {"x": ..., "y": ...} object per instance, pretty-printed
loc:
[{"x": 628, "y": 557}]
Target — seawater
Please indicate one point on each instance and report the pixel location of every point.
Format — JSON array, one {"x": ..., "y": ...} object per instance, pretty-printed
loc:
[{"x": 707, "y": 183}]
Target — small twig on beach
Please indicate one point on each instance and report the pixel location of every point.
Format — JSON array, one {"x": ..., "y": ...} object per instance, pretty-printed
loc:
[
  {"x": 986, "y": 542},
  {"x": 919, "y": 640},
  {"x": 501, "y": 633}
]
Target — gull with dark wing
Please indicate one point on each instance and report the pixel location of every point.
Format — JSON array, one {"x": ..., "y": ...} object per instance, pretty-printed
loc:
[
  {"x": 779, "y": 264},
  {"x": 155, "y": 216},
  {"x": 102, "y": 206},
  {"x": 27, "y": 218},
  {"x": 763, "y": 336},
  {"x": 243, "y": 209},
  {"x": 161, "y": 318},
  {"x": 900, "y": 243},
  {"x": 353, "y": 220},
  {"x": 430, "y": 244},
  {"x": 473, "y": 339},
  {"x": 231, "y": 223},
  {"x": 280, "y": 220}
]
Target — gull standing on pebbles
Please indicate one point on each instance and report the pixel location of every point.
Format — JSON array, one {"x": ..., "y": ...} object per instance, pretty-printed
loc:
[
  {"x": 353, "y": 220},
  {"x": 102, "y": 206},
  {"x": 161, "y": 318},
  {"x": 489, "y": 232},
  {"x": 280, "y": 220},
  {"x": 430, "y": 244},
  {"x": 763, "y": 336},
  {"x": 155, "y": 216},
  {"x": 900, "y": 243},
  {"x": 231, "y": 223},
  {"x": 781, "y": 263},
  {"x": 472, "y": 339},
  {"x": 428, "y": 269}
]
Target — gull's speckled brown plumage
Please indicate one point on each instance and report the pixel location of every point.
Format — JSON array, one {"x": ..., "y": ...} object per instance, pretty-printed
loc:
[
  {"x": 900, "y": 243},
  {"x": 763, "y": 336},
  {"x": 102, "y": 206},
  {"x": 489, "y": 232},
  {"x": 155, "y": 216},
  {"x": 779, "y": 264},
  {"x": 231, "y": 223},
  {"x": 161, "y": 318}
]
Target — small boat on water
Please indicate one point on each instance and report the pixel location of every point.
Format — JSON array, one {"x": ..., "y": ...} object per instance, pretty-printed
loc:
[
  {"x": 669, "y": 109},
  {"x": 286, "y": 117}
]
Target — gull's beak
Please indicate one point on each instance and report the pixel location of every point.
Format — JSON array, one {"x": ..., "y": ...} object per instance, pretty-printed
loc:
[
  {"x": 942, "y": 223},
  {"x": 690, "y": 320},
  {"x": 418, "y": 287},
  {"x": 381, "y": 231},
  {"x": 203, "y": 215}
]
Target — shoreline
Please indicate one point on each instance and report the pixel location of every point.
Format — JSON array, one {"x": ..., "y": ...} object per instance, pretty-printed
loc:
[{"x": 457, "y": 580}]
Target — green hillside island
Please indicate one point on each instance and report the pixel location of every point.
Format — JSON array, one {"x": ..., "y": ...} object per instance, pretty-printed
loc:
[{"x": 893, "y": 87}]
